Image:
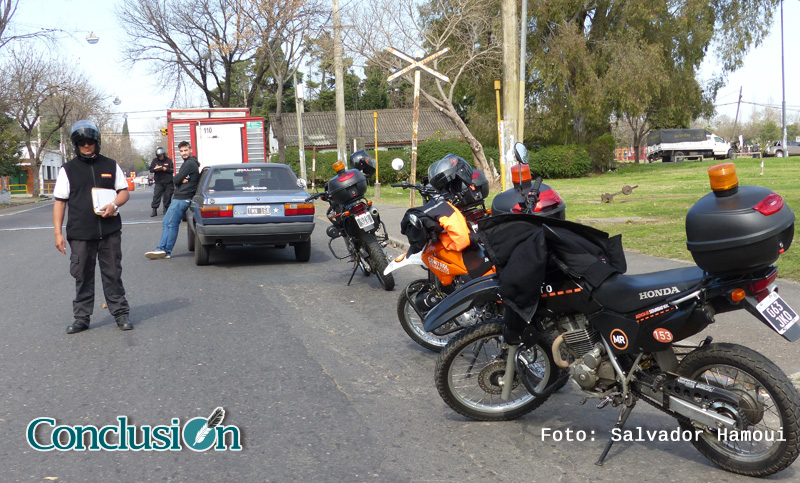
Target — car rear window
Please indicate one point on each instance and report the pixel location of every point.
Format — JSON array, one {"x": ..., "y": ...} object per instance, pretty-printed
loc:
[{"x": 246, "y": 178}]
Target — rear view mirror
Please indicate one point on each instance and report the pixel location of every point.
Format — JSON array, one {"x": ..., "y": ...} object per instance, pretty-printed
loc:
[
  {"x": 521, "y": 153},
  {"x": 397, "y": 164}
]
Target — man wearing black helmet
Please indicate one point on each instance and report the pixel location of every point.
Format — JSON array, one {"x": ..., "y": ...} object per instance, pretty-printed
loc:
[
  {"x": 94, "y": 234},
  {"x": 162, "y": 169}
]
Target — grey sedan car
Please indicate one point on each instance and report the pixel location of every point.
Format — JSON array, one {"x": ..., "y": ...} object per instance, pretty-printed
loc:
[
  {"x": 792, "y": 149},
  {"x": 259, "y": 204}
]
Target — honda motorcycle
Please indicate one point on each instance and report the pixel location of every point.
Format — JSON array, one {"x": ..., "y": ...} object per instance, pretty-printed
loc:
[
  {"x": 355, "y": 220},
  {"x": 617, "y": 336},
  {"x": 450, "y": 269}
]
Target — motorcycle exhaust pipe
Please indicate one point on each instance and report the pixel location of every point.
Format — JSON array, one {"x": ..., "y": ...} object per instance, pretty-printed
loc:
[
  {"x": 560, "y": 362},
  {"x": 374, "y": 212}
]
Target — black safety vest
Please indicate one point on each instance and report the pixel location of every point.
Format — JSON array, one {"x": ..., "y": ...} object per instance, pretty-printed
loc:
[{"x": 82, "y": 222}]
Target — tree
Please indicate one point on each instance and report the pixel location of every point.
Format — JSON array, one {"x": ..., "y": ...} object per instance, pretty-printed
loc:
[
  {"x": 198, "y": 44},
  {"x": 8, "y": 8},
  {"x": 40, "y": 96},
  {"x": 636, "y": 59},
  {"x": 9, "y": 150},
  {"x": 467, "y": 27}
]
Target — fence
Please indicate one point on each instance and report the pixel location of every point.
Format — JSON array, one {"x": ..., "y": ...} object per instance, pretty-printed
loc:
[{"x": 22, "y": 189}]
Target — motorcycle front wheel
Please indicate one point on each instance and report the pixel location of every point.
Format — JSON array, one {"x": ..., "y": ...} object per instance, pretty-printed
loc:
[
  {"x": 378, "y": 260},
  {"x": 768, "y": 410},
  {"x": 471, "y": 367},
  {"x": 413, "y": 324}
]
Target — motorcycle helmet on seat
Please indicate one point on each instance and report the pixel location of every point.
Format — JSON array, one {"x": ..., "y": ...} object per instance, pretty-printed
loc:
[
  {"x": 452, "y": 177},
  {"x": 82, "y": 130},
  {"x": 361, "y": 161}
]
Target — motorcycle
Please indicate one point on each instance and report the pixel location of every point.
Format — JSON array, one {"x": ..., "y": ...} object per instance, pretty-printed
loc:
[
  {"x": 450, "y": 269},
  {"x": 447, "y": 269},
  {"x": 616, "y": 336},
  {"x": 355, "y": 220}
]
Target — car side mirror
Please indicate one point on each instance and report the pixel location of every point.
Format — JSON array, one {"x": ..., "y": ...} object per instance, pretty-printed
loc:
[{"x": 301, "y": 183}]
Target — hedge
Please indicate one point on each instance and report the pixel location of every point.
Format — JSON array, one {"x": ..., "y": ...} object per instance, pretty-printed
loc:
[{"x": 553, "y": 162}]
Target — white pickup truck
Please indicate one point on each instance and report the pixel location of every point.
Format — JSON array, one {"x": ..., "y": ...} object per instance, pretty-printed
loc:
[{"x": 678, "y": 144}]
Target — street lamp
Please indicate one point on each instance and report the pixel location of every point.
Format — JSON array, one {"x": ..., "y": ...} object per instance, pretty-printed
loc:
[
  {"x": 117, "y": 101},
  {"x": 92, "y": 38}
]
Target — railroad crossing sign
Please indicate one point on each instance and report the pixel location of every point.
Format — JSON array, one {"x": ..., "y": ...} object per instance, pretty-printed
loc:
[{"x": 416, "y": 65}]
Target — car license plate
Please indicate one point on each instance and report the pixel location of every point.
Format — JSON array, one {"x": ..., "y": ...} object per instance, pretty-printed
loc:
[
  {"x": 777, "y": 312},
  {"x": 258, "y": 210},
  {"x": 365, "y": 221}
]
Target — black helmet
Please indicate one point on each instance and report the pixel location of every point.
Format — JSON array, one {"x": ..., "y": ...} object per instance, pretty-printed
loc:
[
  {"x": 160, "y": 151},
  {"x": 361, "y": 161},
  {"x": 450, "y": 175},
  {"x": 84, "y": 129}
]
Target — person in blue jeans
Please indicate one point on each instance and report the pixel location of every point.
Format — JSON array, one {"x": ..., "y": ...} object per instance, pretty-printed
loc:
[{"x": 186, "y": 182}]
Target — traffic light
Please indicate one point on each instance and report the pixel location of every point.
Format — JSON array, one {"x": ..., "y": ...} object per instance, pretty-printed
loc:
[{"x": 164, "y": 132}]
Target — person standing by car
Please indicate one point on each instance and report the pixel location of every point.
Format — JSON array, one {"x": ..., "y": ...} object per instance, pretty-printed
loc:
[
  {"x": 162, "y": 169},
  {"x": 92, "y": 237},
  {"x": 186, "y": 184}
]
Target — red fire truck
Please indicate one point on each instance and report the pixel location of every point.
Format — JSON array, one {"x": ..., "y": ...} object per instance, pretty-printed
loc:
[{"x": 217, "y": 136}]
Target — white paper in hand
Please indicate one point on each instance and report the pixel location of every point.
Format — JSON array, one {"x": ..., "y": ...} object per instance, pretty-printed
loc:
[{"x": 102, "y": 197}]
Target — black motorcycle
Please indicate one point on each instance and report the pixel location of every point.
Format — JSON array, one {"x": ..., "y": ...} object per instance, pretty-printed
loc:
[
  {"x": 355, "y": 220},
  {"x": 616, "y": 336}
]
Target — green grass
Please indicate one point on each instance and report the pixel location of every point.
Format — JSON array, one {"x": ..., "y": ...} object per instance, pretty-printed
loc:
[{"x": 664, "y": 194}]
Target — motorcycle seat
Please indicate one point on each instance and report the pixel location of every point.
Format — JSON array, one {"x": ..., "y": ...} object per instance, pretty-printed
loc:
[{"x": 628, "y": 293}]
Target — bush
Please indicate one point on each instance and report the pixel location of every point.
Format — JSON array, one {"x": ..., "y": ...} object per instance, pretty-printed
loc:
[
  {"x": 551, "y": 162},
  {"x": 601, "y": 151}
]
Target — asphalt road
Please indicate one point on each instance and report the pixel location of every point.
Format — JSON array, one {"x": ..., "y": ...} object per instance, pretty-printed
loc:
[{"x": 319, "y": 377}]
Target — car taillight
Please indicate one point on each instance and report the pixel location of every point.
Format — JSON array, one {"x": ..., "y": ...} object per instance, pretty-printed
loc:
[
  {"x": 216, "y": 211},
  {"x": 761, "y": 285},
  {"x": 770, "y": 205},
  {"x": 292, "y": 209},
  {"x": 547, "y": 199}
]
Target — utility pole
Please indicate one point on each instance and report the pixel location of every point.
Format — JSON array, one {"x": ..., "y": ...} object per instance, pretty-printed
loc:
[
  {"x": 510, "y": 83},
  {"x": 298, "y": 97},
  {"x": 783, "y": 83},
  {"x": 523, "y": 30},
  {"x": 338, "y": 67},
  {"x": 736, "y": 119}
]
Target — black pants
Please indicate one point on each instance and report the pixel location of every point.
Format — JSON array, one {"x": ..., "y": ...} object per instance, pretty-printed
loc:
[
  {"x": 162, "y": 190},
  {"x": 84, "y": 256}
]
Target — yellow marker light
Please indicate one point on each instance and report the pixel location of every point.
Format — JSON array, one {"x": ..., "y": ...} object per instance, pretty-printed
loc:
[{"x": 723, "y": 177}]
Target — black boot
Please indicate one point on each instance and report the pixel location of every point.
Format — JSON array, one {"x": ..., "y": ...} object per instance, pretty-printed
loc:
[
  {"x": 123, "y": 323},
  {"x": 154, "y": 213}
]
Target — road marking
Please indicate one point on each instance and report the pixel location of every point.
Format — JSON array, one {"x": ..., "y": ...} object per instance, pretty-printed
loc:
[{"x": 50, "y": 227}]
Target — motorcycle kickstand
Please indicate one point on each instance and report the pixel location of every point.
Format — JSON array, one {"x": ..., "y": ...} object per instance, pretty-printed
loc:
[
  {"x": 623, "y": 417},
  {"x": 355, "y": 268}
]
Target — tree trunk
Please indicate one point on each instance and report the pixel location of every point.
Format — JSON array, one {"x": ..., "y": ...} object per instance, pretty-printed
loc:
[{"x": 477, "y": 148}]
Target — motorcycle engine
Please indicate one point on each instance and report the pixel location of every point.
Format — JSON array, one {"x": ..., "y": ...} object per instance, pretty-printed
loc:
[{"x": 590, "y": 368}]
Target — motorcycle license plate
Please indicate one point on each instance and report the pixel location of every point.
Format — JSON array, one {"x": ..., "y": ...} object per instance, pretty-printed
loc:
[
  {"x": 777, "y": 312},
  {"x": 365, "y": 221},
  {"x": 258, "y": 210}
]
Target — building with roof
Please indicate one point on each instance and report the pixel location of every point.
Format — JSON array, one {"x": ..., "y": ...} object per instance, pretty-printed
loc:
[{"x": 394, "y": 128}]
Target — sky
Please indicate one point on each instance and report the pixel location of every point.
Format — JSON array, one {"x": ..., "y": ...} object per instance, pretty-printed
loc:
[{"x": 145, "y": 103}]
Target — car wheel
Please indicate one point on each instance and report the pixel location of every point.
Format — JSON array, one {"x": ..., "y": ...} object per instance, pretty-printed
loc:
[
  {"x": 201, "y": 252},
  {"x": 731, "y": 154},
  {"x": 302, "y": 251},
  {"x": 779, "y": 154},
  {"x": 678, "y": 156},
  {"x": 189, "y": 238}
]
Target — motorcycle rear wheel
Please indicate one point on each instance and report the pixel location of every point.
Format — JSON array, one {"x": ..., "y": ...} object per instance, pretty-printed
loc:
[
  {"x": 378, "y": 260},
  {"x": 412, "y": 323},
  {"x": 470, "y": 367},
  {"x": 769, "y": 407}
]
